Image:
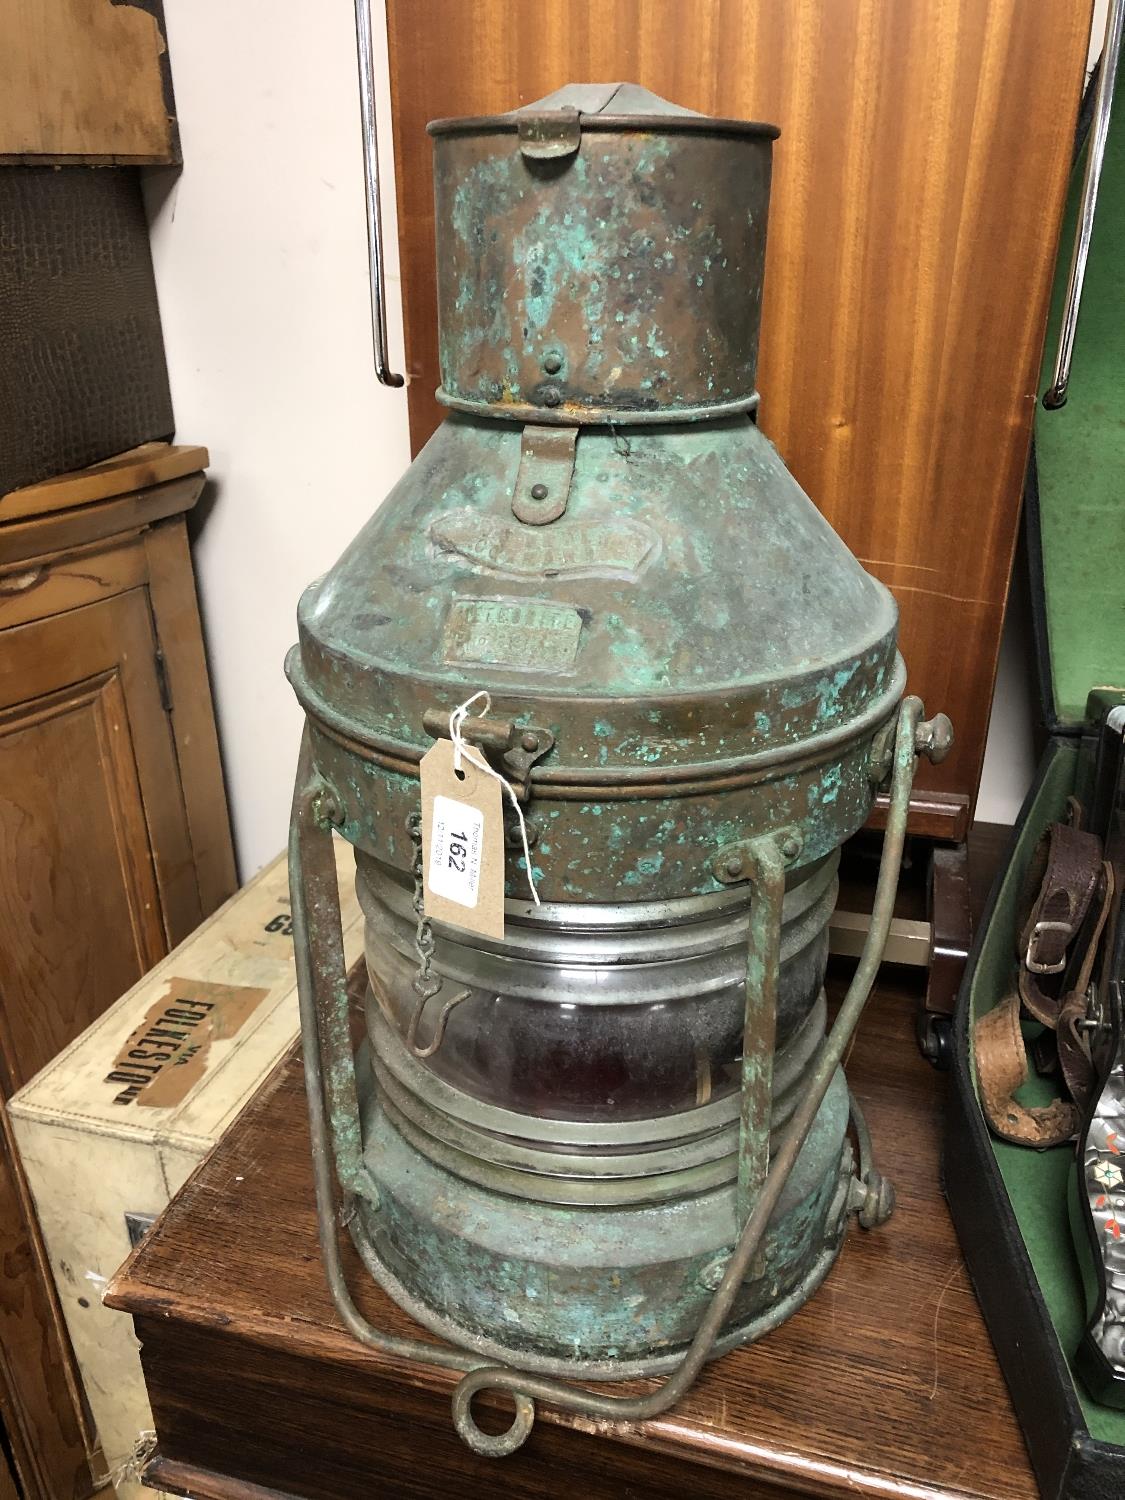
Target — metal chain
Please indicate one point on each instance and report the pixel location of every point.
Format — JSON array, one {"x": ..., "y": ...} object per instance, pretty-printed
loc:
[{"x": 425, "y": 983}]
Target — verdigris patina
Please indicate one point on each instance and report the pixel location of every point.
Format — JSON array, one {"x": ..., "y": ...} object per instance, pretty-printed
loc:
[{"x": 614, "y": 1141}]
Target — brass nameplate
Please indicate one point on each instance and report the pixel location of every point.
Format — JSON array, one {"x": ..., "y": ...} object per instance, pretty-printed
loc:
[
  {"x": 529, "y": 635},
  {"x": 567, "y": 549}
]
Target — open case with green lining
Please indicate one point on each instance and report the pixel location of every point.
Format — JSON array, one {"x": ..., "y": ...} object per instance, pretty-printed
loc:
[{"x": 1009, "y": 1202}]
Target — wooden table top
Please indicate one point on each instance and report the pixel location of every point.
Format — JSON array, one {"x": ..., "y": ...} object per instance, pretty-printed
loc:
[{"x": 884, "y": 1384}]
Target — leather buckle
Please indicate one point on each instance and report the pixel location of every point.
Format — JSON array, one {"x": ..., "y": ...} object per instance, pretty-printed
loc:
[{"x": 1032, "y": 964}]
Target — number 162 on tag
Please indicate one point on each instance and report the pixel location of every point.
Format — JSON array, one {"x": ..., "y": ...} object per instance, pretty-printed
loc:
[{"x": 456, "y": 839}]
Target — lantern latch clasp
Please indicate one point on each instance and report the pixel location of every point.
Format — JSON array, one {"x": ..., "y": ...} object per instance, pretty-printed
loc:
[
  {"x": 550, "y": 134},
  {"x": 545, "y": 474},
  {"x": 513, "y": 747}
]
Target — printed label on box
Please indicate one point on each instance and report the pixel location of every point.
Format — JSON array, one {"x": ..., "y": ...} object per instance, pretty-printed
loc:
[{"x": 166, "y": 1055}]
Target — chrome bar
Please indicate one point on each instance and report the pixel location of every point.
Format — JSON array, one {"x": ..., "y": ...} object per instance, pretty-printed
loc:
[
  {"x": 1055, "y": 395},
  {"x": 364, "y": 49}
]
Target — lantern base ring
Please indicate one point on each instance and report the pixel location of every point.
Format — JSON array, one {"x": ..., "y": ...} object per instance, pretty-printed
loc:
[
  {"x": 334, "y": 1115},
  {"x": 363, "y": 1227}
]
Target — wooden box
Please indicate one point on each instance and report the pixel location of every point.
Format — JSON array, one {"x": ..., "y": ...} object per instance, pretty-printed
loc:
[{"x": 111, "y": 1129}]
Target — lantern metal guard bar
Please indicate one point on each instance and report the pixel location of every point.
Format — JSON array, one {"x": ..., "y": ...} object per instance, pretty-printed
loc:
[{"x": 614, "y": 1142}]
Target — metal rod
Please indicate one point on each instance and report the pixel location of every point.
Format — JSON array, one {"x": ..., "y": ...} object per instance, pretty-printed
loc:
[
  {"x": 313, "y": 883},
  {"x": 365, "y": 54},
  {"x": 763, "y": 959},
  {"x": 1055, "y": 395},
  {"x": 311, "y": 833},
  {"x": 642, "y": 1408}
]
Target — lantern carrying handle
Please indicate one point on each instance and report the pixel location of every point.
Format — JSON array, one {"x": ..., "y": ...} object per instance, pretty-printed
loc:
[{"x": 335, "y": 1122}]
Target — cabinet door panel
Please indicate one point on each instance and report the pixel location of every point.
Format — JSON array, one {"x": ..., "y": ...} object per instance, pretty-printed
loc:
[{"x": 93, "y": 846}]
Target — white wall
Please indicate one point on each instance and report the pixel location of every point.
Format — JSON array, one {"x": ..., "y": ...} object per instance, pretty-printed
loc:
[
  {"x": 261, "y": 267},
  {"x": 1009, "y": 757},
  {"x": 260, "y": 255}
]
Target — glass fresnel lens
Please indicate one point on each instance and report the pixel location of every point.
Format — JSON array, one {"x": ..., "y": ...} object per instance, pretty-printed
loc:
[{"x": 556, "y": 1145}]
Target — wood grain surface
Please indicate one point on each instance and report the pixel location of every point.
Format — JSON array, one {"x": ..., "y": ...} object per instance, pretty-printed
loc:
[
  {"x": 918, "y": 190},
  {"x": 171, "y": 586},
  {"x": 8, "y": 1489},
  {"x": 85, "y": 81},
  {"x": 75, "y": 933},
  {"x": 115, "y": 843},
  {"x": 39, "y": 536},
  {"x": 137, "y": 469},
  {"x": 885, "y": 1384}
]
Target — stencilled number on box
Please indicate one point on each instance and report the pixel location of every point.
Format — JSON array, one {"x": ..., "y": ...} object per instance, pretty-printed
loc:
[
  {"x": 455, "y": 851},
  {"x": 282, "y": 923}
]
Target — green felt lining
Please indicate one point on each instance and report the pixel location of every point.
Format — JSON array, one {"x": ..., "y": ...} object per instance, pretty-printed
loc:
[
  {"x": 1080, "y": 457},
  {"x": 1037, "y": 1180}
]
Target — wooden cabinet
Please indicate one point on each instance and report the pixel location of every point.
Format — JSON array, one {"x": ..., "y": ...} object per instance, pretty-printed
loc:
[
  {"x": 82, "y": 734},
  {"x": 114, "y": 844},
  {"x": 7, "y": 1481},
  {"x": 883, "y": 1386},
  {"x": 42, "y": 1413}
]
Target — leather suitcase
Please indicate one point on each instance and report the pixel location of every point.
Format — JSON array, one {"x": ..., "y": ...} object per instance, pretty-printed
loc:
[
  {"x": 1009, "y": 1202},
  {"x": 82, "y": 370}
]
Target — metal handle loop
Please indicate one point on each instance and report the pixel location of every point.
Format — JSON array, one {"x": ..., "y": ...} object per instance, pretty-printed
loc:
[
  {"x": 438, "y": 1035},
  {"x": 1055, "y": 395},
  {"x": 487, "y": 1444},
  {"x": 365, "y": 55},
  {"x": 643, "y": 1408}
]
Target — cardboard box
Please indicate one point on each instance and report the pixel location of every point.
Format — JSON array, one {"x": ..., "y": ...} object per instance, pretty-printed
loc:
[{"x": 111, "y": 1129}]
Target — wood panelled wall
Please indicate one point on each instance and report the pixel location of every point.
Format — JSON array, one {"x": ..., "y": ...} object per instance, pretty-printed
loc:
[{"x": 918, "y": 191}]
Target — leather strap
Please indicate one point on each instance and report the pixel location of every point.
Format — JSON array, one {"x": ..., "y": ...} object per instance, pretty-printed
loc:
[
  {"x": 1066, "y": 886},
  {"x": 1001, "y": 1059},
  {"x": 1075, "y": 1058},
  {"x": 1059, "y": 937}
]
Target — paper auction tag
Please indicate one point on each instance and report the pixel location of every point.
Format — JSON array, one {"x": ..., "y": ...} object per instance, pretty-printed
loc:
[{"x": 462, "y": 843}]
